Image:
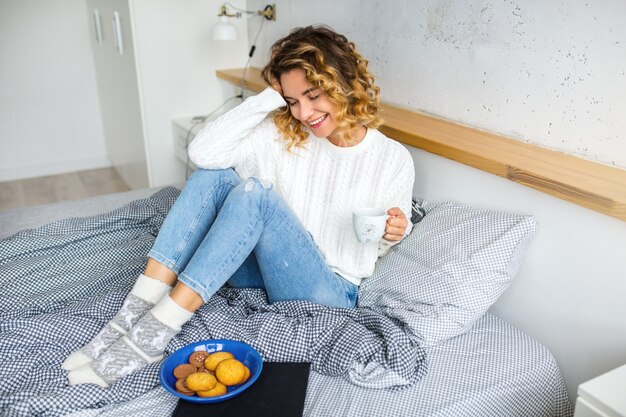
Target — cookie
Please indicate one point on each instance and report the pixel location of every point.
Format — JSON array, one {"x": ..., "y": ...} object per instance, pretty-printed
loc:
[
  {"x": 200, "y": 381},
  {"x": 182, "y": 387},
  {"x": 184, "y": 370},
  {"x": 230, "y": 372},
  {"x": 213, "y": 359},
  {"x": 220, "y": 389},
  {"x": 203, "y": 369},
  {"x": 197, "y": 358}
]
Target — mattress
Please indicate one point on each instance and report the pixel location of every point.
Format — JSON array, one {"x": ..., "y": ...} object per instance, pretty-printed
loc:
[{"x": 494, "y": 369}]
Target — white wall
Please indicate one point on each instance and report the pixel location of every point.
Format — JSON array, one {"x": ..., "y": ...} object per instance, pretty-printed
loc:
[
  {"x": 177, "y": 59},
  {"x": 550, "y": 73},
  {"x": 49, "y": 113},
  {"x": 547, "y": 72}
]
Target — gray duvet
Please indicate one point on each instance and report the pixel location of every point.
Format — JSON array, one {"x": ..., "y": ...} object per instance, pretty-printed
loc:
[{"x": 60, "y": 283}]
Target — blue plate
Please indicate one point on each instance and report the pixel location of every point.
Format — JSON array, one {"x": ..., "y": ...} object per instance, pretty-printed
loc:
[{"x": 242, "y": 352}]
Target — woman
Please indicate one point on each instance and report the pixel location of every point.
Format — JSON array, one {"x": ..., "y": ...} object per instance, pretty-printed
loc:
[{"x": 270, "y": 205}]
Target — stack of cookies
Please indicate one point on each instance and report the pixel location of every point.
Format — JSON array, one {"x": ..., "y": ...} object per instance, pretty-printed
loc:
[{"x": 209, "y": 374}]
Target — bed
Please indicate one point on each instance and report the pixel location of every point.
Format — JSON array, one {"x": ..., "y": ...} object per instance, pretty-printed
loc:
[{"x": 422, "y": 342}]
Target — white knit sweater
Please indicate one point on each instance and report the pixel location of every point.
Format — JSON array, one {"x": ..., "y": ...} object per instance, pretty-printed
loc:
[{"x": 321, "y": 182}]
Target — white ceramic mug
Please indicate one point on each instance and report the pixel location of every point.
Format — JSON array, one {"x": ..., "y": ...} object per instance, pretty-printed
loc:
[{"x": 369, "y": 224}]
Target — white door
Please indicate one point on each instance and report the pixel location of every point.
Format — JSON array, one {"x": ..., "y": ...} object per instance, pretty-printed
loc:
[{"x": 111, "y": 39}]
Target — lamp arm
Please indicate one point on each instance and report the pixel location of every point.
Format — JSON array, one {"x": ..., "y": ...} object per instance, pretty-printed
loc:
[
  {"x": 269, "y": 12},
  {"x": 236, "y": 8},
  {"x": 224, "y": 12}
]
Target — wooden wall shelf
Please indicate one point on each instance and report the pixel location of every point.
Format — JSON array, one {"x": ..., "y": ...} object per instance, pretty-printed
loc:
[{"x": 596, "y": 186}]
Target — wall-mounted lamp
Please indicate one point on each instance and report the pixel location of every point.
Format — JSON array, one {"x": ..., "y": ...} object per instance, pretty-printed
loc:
[{"x": 225, "y": 31}]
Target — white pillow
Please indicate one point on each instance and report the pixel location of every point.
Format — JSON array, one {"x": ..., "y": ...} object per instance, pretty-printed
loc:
[{"x": 447, "y": 273}]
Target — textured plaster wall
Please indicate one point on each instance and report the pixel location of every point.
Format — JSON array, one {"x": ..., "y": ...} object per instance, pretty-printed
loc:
[{"x": 549, "y": 73}]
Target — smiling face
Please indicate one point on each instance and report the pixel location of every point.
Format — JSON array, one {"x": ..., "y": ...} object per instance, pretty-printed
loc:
[
  {"x": 309, "y": 104},
  {"x": 347, "y": 102}
]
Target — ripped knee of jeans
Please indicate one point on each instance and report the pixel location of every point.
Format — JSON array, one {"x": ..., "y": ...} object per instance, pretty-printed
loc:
[{"x": 250, "y": 184}]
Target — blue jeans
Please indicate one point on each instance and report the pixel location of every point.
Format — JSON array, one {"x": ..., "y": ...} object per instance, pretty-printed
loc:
[{"x": 222, "y": 229}]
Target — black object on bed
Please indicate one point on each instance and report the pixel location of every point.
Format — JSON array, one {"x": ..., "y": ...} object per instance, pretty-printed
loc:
[{"x": 279, "y": 392}]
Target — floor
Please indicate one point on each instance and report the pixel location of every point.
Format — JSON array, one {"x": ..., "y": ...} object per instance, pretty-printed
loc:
[{"x": 70, "y": 186}]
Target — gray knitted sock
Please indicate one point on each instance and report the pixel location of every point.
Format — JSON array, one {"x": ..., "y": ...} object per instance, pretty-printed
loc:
[
  {"x": 145, "y": 294},
  {"x": 144, "y": 344}
]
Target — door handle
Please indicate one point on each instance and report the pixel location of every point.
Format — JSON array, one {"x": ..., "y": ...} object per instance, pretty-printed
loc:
[
  {"x": 117, "y": 31},
  {"x": 97, "y": 25}
]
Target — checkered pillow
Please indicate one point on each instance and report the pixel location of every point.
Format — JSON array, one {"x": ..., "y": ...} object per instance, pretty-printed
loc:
[{"x": 448, "y": 272}]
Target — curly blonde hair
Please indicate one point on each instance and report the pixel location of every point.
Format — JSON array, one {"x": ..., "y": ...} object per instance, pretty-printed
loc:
[{"x": 330, "y": 62}]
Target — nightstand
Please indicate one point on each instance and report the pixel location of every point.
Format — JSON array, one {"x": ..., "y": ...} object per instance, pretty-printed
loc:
[
  {"x": 603, "y": 396},
  {"x": 184, "y": 130}
]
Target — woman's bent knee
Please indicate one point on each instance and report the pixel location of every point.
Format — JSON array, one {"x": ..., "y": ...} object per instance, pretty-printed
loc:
[
  {"x": 254, "y": 192},
  {"x": 206, "y": 177}
]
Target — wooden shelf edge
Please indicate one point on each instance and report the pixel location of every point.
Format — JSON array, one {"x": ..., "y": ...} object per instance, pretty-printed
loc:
[{"x": 589, "y": 184}]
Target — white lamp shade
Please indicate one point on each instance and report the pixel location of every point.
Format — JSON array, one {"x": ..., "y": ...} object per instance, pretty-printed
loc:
[{"x": 224, "y": 31}]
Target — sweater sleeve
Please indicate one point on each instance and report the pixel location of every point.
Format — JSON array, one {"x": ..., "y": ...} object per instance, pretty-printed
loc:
[
  {"x": 401, "y": 194},
  {"x": 227, "y": 141}
]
